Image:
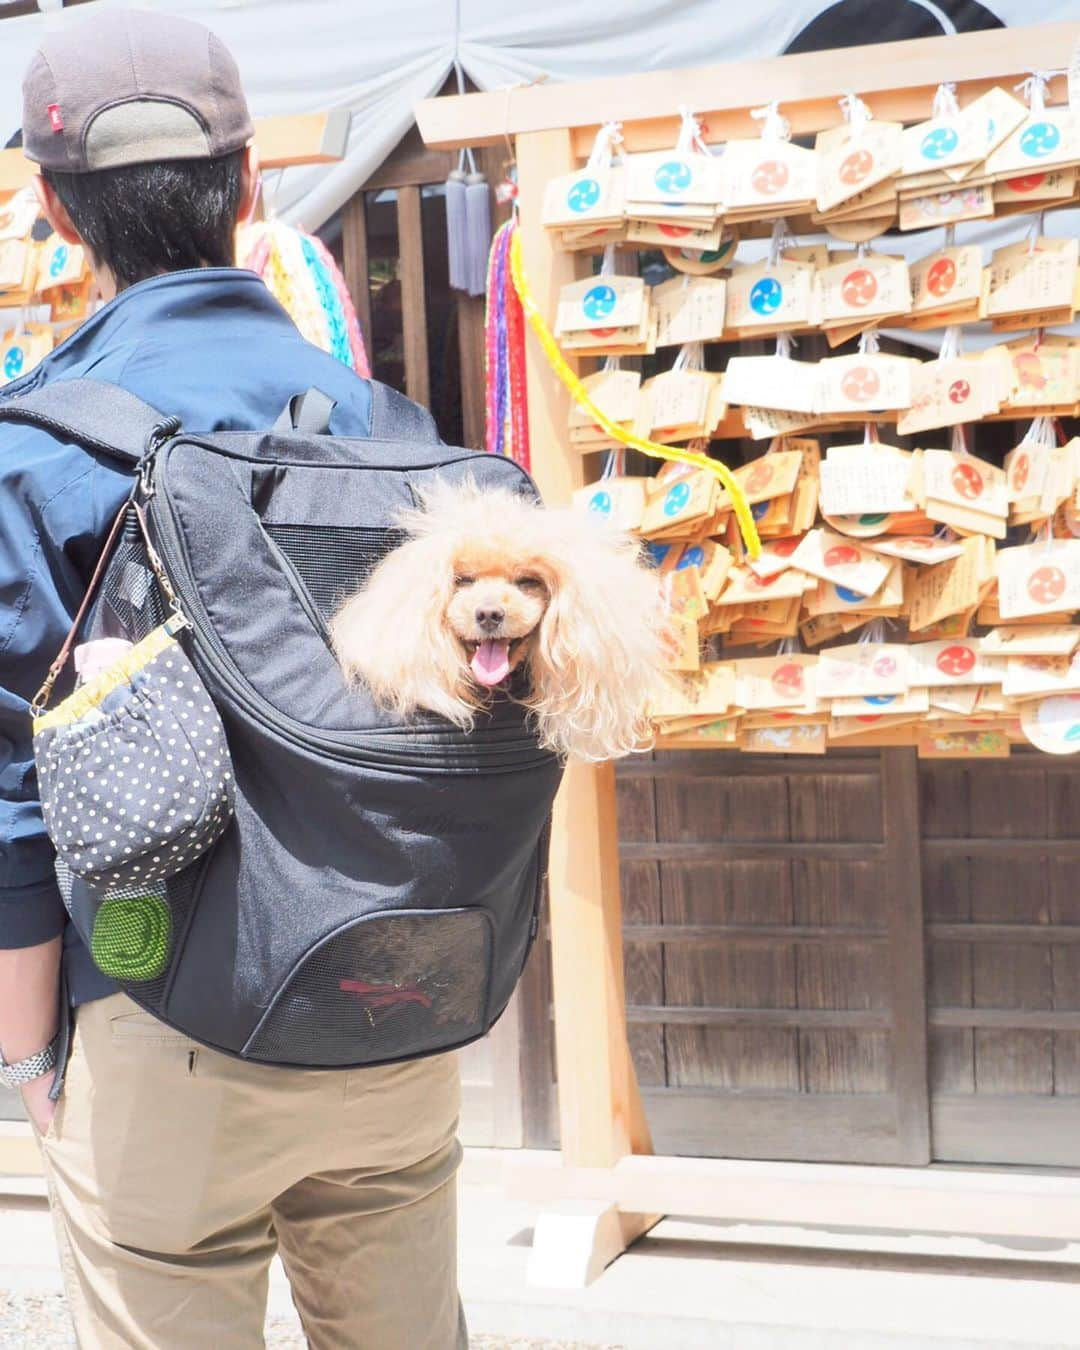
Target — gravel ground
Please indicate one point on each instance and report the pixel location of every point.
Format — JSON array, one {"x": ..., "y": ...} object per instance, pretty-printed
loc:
[{"x": 40, "y": 1322}]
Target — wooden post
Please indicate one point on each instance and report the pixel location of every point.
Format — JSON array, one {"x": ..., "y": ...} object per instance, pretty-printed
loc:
[
  {"x": 600, "y": 1110},
  {"x": 413, "y": 305},
  {"x": 354, "y": 253},
  {"x": 903, "y": 872}
]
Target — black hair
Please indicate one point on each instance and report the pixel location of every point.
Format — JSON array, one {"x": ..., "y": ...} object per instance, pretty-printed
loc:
[{"x": 140, "y": 220}]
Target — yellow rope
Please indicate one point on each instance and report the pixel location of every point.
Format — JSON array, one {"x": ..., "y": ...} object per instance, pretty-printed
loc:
[{"x": 580, "y": 395}]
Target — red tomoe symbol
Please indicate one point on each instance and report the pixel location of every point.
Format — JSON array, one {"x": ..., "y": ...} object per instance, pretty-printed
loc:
[
  {"x": 967, "y": 481},
  {"x": 760, "y": 476},
  {"x": 959, "y": 391},
  {"x": 1046, "y": 585},
  {"x": 916, "y": 542},
  {"x": 784, "y": 548},
  {"x": 856, "y": 166},
  {"x": 675, "y": 231},
  {"x": 602, "y": 332},
  {"x": 860, "y": 384},
  {"x": 770, "y": 176},
  {"x": 384, "y": 995},
  {"x": 884, "y": 666},
  {"x": 868, "y": 717},
  {"x": 1026, "y": 184},
  {"x": 841, "y": 555},
  {"x": 859, "y": 287},
  {"x": 1029, "y": 370},
  {"x": 956, "y": 661},
  {"x": 788, "y": 679},
  {"x": 1021, "y": 468},
  {"x": 942, "y": 277},
  {"x": 756, "y": 583}
]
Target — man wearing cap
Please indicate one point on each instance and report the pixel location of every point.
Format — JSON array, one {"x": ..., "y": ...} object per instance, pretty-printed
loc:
[{"x": 176, "y": 1173}]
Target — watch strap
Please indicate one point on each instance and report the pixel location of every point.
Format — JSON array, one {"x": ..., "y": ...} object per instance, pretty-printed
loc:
[{"x": 33, "y": 1066}]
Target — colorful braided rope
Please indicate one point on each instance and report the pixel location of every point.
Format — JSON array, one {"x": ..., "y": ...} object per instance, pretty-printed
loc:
[
  {"x": 507, "y": 420},
  {"x": 303, "y": 277}
]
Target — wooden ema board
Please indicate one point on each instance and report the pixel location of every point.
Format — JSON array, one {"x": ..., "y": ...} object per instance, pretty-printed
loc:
[
  {"x": 602, "y": 1121},
  {"x": 282, "y": 142}
]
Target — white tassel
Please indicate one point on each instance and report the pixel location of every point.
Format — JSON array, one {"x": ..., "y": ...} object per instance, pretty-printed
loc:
[
  {"x": 477, "y": 233},
  {"x": 456, "y": 229}
]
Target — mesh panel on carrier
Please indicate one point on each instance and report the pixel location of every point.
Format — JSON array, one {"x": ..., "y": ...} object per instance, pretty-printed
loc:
[
  {"x": 383, "y": 986},
  {"x": 333, "y": 561}
]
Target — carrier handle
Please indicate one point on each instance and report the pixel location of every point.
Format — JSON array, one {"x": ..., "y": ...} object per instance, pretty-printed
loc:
[
  {"x": 393, "y": 417},
  {"x": 94, "y": 414},
  {"x": 308, "y": 412}
]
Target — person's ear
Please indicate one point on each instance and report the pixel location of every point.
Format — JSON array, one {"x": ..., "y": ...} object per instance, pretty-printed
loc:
[
  {"x": 54, "y": 210},
  {"x": 249, "y": 184}
]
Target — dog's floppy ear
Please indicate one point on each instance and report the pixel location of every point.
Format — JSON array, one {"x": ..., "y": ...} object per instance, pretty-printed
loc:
[
  {"x": 393, "y": 637},
  {"x": 598, "y": 660}
]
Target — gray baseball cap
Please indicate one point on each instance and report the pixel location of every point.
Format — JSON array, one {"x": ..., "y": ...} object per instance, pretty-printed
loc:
[{"x": 132, "y": 87}]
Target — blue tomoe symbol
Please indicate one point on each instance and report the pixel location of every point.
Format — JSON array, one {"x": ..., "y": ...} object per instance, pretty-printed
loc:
[
  {"x": 760, "y": 510},
  {"x": 880, "y": 700},
  {"x": 656, "y": 553},
  {"x": 59, "y": 260},
  {"x": 849, "y": 597},
  {"x": 1073, "y": 733},
  {"x": 766, "y": 296},
  {"x": 676, "y": 499},
  {"x": 693, "y": 557},
  {"x": 938, "y": 143},
  {"x": 598, "y": 302},
  {"x": 13, "y": 361},
  {"x": 1039, "y": 139},
  {"x": 600, "y": 504},
  {"x": 673, "y": 176},
  {"x": 584, "y": 195}
]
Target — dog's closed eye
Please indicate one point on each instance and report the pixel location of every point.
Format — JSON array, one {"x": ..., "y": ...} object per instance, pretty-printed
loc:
[{"x": 530, "y": 585}]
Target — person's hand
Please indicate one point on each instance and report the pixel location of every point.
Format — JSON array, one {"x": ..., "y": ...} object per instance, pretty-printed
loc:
[{"x": 35, "y": 1097}]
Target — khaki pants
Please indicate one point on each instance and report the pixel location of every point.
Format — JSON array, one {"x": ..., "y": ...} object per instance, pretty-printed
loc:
[{"x": 176, "y": 1173}]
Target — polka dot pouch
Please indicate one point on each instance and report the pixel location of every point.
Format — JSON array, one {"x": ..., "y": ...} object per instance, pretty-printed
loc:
[{"x": 133, "y": 768}]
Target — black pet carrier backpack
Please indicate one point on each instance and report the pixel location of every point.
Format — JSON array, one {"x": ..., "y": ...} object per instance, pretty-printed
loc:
[{"x": 376, "y": 892}]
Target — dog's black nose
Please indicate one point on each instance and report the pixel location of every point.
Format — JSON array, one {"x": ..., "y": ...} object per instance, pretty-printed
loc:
[{"x": 490, "y": 619}]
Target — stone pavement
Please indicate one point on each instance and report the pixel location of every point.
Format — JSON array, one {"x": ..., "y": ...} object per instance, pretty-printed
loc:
[{"x": 688, "y": 1286}]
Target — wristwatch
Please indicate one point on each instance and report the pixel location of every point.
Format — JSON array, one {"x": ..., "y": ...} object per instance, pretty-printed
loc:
[{"x": 33, "y": 1066}]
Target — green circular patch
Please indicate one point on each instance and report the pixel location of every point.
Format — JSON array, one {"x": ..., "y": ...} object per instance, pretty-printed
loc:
[{"x": 130, "y": 939}]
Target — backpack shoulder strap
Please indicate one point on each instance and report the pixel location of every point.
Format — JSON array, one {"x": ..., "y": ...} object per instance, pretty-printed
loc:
[
  {"x": 397, "y": 418},
  {"x": 98, "y": 416}
]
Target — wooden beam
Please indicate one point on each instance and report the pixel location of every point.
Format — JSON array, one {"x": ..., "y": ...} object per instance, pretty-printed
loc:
[
  {"x": 282, "y": 142},
  {"x": 906, "y": 954},
  {"x": 307, "y": 138},
  {"x": 993, "y": 1203},
  {"x": 807, "y": 84},
  {"x": 413, "y": 302},
  {"x": 354, "y": 254}
]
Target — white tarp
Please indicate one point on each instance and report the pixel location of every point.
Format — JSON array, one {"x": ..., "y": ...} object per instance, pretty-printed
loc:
[{"x": 379, "y": 59}]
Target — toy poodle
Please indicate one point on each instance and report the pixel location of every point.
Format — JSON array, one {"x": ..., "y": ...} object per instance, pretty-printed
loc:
[{"x": 491, "y": 591}]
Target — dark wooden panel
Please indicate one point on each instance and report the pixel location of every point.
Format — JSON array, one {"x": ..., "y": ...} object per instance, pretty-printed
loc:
[
  {"x": 698, "y": 811},
  {"x": 836, "y": 807},
  {"x": 1025, "y": 1131},
  {"x": 832, "y": 1128}
]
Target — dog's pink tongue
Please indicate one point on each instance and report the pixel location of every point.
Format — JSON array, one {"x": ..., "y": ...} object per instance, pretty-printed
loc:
[{"x": 491, "y": 662}]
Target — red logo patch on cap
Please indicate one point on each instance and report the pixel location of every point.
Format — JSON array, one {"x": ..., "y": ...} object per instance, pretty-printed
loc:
[{"x": 56, "y": 121}]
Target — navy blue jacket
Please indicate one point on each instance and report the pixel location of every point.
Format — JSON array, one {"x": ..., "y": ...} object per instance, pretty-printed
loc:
[{"x": 213, "y": 348}]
